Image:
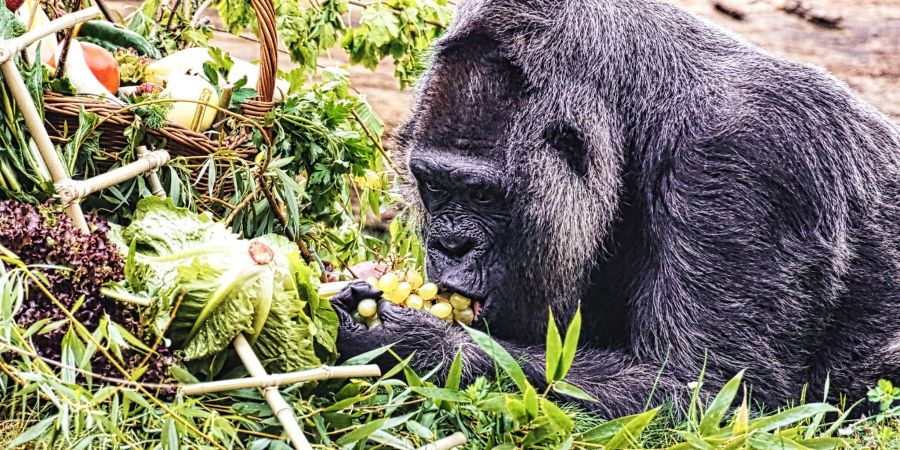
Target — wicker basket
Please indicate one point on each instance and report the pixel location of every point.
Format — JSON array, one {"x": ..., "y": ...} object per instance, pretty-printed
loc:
[{"x": 61, "y": 112}]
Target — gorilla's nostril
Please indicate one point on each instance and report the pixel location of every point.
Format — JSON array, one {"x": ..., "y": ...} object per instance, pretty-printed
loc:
[{"x": 456, "y": 246}]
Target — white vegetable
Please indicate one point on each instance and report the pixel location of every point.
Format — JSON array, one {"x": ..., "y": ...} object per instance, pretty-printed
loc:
[
  {"x": 80, "y": 75},
  {"x": 185, "y": 62},
  {"x": 195, "y": 89},
  {"x": 48, "y": 43}
]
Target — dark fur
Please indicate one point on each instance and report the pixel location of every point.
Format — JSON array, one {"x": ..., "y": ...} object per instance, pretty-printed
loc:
[{"x": 694, "y": 193}]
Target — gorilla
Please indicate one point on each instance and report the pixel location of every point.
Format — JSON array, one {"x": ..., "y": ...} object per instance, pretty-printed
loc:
[{"x": 705, "y": 203}]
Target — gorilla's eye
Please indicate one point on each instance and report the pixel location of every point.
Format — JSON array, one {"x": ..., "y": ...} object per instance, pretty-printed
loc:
[
  {"x": 482, "y": 197},
  {"x": 433, "y": 187}
]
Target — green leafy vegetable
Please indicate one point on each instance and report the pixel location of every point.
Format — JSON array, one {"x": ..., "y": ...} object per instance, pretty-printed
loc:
[{"x": 223, "y": 286}]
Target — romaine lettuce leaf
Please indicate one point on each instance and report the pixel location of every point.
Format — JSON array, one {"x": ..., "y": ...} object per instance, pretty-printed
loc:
[{"x": 190, "y": 262}]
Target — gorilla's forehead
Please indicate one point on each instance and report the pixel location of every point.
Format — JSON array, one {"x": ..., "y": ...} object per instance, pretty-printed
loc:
[{"x": 462, "y": 170}]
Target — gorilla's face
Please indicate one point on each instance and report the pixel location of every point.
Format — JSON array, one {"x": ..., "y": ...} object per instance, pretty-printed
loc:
[
  {"x": 455, "y": 144},
  {"x": 511, "y": 159},
  {"x": 469, "y": 203}
]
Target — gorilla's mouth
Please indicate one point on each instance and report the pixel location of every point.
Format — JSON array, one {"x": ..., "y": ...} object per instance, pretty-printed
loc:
[{"x": 480, "y": 304}]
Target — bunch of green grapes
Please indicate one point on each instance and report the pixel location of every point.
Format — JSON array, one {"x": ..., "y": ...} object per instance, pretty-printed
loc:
[{"x": 407, "y": 288}]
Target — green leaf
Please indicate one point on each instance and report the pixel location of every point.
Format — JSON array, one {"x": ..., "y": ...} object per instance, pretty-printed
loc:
[
  {"x": 627, "y": 436},
  {"x": 790, "y": 416},
  {"x": 181, "y": 375},
  {"x": 823, "y": 443},
  {"x": 37, "y": 430},
  {"x": 570, "y": 346},
  {"x": 602, "y": 433},
  {"x": 530, "y": 399},
  {"x": 500, "y": 356},
  {"x": 363, "y": 431},
  {"x": 554, "y": 350},
  {"x": 367, "y": 357},
  {"x": 515, "y": 407},
  {"x": 766, "y": 441},
  {"x": 560, "y": 420},
  {"x": 454, "y": 375},
  {"x": 710, "y": 422},
  {"x": 562, "y": 387}
]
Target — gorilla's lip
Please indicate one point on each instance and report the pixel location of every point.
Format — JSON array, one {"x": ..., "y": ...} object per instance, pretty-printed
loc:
[{"x": 479, "y": 302}]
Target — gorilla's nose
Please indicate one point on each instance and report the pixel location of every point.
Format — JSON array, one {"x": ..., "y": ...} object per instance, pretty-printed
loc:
[{"x": 455, "y": 245}]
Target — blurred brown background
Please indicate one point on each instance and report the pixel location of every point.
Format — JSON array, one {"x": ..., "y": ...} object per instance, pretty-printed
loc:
[{"x": 864, "y": 51}]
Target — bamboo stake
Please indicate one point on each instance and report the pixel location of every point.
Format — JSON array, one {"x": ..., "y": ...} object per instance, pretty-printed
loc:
[
  {"x": 72, "y": 191},
  {"x": 36, "y": 126},
  {"x": 328, "y": 290},
  {"x": 280, "y": 379},
  {"x": 452, "y": 441},
  {"x": 156, "y": 187},
  {"x": 283, "y": 411},
  {"x": 13, "y": 46}
]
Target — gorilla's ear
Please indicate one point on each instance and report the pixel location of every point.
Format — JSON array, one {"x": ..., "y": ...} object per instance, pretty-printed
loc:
[{"x": 569, "y": 145}]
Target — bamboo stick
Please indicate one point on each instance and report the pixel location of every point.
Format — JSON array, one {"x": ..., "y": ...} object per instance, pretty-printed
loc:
[
  {"x": 70, "y": 191},
  {"x": 156, "y": 187},
  {"x": 283, "y": 411},
  {"x": 280, "y": 379},
  {"x": 35, "y": 125},
  {"x": 328, "y": 290},
  {"x": 452, "y": 441},
  {"x": 13, "y": 46}
]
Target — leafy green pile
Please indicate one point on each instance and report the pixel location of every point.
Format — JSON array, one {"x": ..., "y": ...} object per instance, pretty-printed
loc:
[{"x": 207, "y": 286}]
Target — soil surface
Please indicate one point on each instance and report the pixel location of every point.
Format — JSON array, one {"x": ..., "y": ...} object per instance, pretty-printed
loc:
[{"x": 864, "y": 52}]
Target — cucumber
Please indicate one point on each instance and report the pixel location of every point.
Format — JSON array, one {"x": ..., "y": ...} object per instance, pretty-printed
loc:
[
  {"x": 100, "y": 42},
  {"x": 120, "y": 37}
]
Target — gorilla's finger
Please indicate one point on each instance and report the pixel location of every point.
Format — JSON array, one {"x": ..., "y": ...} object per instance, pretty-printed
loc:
[
  {"x": 391, "y": 313},
  {"x": 353, "y": 293},
  {"x": 346, "y": 318}
]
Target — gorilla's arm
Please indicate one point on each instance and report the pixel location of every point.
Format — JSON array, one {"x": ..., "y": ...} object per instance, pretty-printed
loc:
[{"x": 622, "y": 383}]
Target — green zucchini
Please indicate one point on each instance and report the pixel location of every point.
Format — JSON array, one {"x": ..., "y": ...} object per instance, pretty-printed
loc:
[
  {"x": 120, "y": 37},
  {"x": 100, "y": 42}
]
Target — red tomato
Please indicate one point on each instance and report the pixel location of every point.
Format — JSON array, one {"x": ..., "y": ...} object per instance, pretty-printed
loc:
[{"x": 102, "y": 65}]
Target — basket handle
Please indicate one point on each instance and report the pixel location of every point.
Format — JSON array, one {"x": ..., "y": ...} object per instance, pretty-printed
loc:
[{"x": 268, "y": 48}]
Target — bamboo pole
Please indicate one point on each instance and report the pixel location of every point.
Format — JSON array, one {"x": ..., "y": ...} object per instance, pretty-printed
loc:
[
  {"x": 152, "y": 176},
  {"x": 72, "y": 191},
  {"x": 13, "y": 46},
  {"x": 283, "y": 411},
  {"x": 35, "y": 125},
  {"x": 452, "y": 441},
  {"x": 280, "y": 379},
  {"x": 328, "y": 290}
]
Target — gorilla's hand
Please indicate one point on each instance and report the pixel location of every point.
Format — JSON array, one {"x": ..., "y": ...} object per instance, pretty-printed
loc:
[{"x": 407, "y": 328}]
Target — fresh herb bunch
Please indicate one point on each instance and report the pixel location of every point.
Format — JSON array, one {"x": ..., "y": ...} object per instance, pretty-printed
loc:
[
  {"x": 317, "y": 129},
  {"x": 75, "y": 266},
  {"x": 23, "y": 175}
]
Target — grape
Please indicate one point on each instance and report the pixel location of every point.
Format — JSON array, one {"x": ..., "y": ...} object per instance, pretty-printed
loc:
[
  {"x": 388, "y": 282},
  {"x": 367, "y": 308},
  {"x": 414, "y": 302},
  {"x": 374, "y": 322},
  {"x": 465, "y": 316},
  {"x": 403, "y": 290},
  {"x": 459, "y": 302},
  {"x": 357, "y": 317},
  {"x": 414, "y": 278},
  {"x": 372, "y": 282},
  {"x": 441, "y": 310},
  {"x": 427, "y": 291},
  {"x": 394, "y": 297}
]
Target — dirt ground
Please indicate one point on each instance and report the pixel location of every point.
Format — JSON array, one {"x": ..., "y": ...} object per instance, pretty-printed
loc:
[{"x": 864, "y": 52}]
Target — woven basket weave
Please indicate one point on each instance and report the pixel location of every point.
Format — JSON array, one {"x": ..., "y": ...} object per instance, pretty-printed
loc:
[{"x": 61, "y": 111}]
